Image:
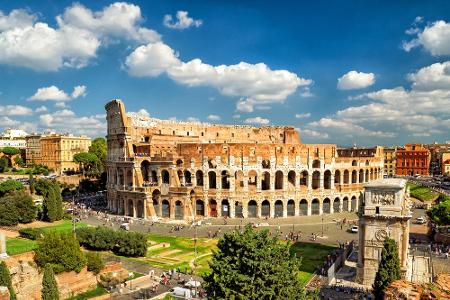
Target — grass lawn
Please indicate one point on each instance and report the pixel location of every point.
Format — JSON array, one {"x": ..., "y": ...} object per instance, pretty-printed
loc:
[
  {"x": 20, "y": 245},
  {"x": 422, "y": 193},
  {"x": 312, "y": 255},
  {"x": 98, "y": 291}
]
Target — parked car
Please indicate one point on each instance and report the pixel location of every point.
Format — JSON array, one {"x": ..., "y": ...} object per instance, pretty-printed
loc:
[
  {"x": 354, "y": 229},
  {"x": 420, "y": 220}
]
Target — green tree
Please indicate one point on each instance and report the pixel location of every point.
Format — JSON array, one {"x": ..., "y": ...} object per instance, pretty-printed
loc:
[
  {"x": 31, "y": 181},
  {"x": 4, "y": 164},
  {"x": 10, "y": 151},
  {"x": 388, "y": 268},
  {"x": 253, "y": 265},
  {"x": 95, "y": 262},
  {"x": 52, "y": 204},
  {"x": 89, "y": 163},
  {"x": 49, "y": 286},
  {"x": 440, "y": 214},
  {"x": 10, "y": 186},
  {"x": 5, "y": 280},
  {"x": 19, "y": 161},
  {"x": 24, "y": 205},
  {"x": 99, "y": 148},
  {"x": 61, "y": 250},
  {"x": 8, "y": 212}
]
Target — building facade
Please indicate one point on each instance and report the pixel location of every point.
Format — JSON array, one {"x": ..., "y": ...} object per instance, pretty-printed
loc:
[
  {"x": 445, "y": 164},
  {"x": 33, "y": 149},
  {"x": 390, "y": 161},
  {"x": 413, "y": 159},
  {"x": 384, "y": 212},
  {"x": 185, "y": 170},
  {"x": 14, "y": 138},
  {"x": 436, "y": 154},
  {"x": 57, "y": 151}
]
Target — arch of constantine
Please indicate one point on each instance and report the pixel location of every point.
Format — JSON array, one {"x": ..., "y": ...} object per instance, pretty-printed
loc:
[{"x": 184, "y": 170}]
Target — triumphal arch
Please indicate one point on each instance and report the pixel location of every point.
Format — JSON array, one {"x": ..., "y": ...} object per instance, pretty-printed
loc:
[
  {"x": 384, "y": 212},
  {"x": 184, "y": 170}
]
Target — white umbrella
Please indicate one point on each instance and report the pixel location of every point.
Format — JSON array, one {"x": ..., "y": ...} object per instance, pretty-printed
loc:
[{"x": 193, "y": 283}]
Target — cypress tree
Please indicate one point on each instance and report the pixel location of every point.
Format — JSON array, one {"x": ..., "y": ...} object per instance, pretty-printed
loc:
[
  {"x": 49, "y": 285},
  {"x": 5, "y": 280},
  {"x": 388, "y": 268}
]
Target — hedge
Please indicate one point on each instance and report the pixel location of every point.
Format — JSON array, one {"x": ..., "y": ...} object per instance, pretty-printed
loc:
[{"x": 31, "y": 233}]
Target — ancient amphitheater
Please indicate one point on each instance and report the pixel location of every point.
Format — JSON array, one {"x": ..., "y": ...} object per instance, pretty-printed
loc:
[{"x": 185, "y": 170}]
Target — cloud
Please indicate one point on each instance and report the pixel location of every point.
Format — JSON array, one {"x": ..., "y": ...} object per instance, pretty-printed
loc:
[
  {"x": 434, "y": 38},
  {"x": 355, "y": 80},
  {"x": 183, "y": 21},
  {"x": 435, "y": 76},
  {"x": 67, "y": 121},
  {"x": 15, "y": 110},
  {"x": 313, "y": 134},
  {"x": 5, "y": 121},
  {"x": 257, "y": 120},
  {"x": 53, "y": 93},
  {"x": 41, "y": 109},
  {"x": 73, "y": 43},
  {"x": 303, "y": 116},
  {"x": 213, "y": 118},
  {"x": 253, "y": 83}
]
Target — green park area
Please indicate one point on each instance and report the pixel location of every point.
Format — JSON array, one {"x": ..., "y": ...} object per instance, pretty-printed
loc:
[
  {"x": 20, "y": 245},
  {"x": 422, "y": 193}
]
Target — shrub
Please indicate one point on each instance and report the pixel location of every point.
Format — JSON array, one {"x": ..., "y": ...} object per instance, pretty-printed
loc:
[
  {"x": 95, "y": 262},
  {"x": 25, "y": 207},
  {"x": 130, "y": 244},
  {"x": 31, "y": 233},
  {"x": 61, "y": 250},
  {"x": 8, "y": 212},
  {"x": 49, "y": 285},
  {"x": 5, "y": 280},
  {"x": 9, "y": 186}
]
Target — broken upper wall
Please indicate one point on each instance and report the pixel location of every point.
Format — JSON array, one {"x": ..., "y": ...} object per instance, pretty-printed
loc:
[{"x": 143, "y": 129}]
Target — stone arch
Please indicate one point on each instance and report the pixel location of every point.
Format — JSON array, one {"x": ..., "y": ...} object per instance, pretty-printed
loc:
[
  {"x": 165, "y": 208},
  {"x": 371, "y": 174},
  {"x": 212, "y": 208},
  {"x": 154, "y": 176},
  {"x": 327, "y": 180},
  {"x": 179, "y": 215},
  {"x": 367, "y": 162},
  {"x": 315, "y": 207},
  {"x": 316, "y": 180},
  {"x": 316, "y": 164},
  {"x": 303, "y": 207},
  {"x": 361, "y": 176},
  {"x": 179, "y": 163},
  {"x": 326, "y": 206},
  {"x": 130, "y": 207},
  {"x": 225, "y": 177},
  {"x": 187, "y": 177},
  {"x": 345, "y": 206},
  {"x": 265, "y": 181},
  {"x": 129, "y": 178},
  {"x": 121, "y": 177},
  {"x": 238, "y": 209},
  {"x": 199, "y": 207},
  {"x": 252, "y": 180},
  {"x": 145, "y": 166},
  {"x": 265, "y": 164},
  {"x": 367, "y": 176},
  {"x": 265, "y": 208},
  {"x": 354, "y": 204},
  {"x": 278, "y": 208},
  {"x": 337, "y": 205},
  {"x": 180, "y": 175},
  {"x": 354, "y": 163},
  {"x": 304, "y": 178},
  {"x": 140, "y": 209},
  {"x": 354, "y": 176},
  {"x": 156, "y": 197},
  {"x": 346, "y": 177},
  {"x": 252, "y": 209},
  {"x": 291, "y": 208},
  {"x": 337, "y": 177},
  {"x": 212, "y": 180},
  {"x": 239, "y": 180},
  {"x": 165, "y": 176},
  {"x": 279, "y": 178},
  {"x": 291, "y": 180},
  {"x": 199, "y": 177},
  {"x": 225, "y": 208}
]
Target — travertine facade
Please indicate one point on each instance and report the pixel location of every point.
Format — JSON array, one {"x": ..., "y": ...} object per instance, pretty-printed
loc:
[
  {"x": 183, "y": 170},
  {"x": 384, "y": 212}
]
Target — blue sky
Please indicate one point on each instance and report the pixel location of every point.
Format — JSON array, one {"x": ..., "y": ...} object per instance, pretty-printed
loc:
[{"x": 344, "y": 72}]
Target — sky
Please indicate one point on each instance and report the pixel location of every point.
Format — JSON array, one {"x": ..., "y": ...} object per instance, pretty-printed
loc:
[{"x": 342, "y": 72}]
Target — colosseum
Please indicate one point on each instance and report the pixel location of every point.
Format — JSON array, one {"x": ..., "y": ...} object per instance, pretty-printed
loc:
[{"x": 187, "y": 170}]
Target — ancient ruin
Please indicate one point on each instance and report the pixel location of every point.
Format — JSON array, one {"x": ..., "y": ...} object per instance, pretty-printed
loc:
[{"x": 184, "y": 170}]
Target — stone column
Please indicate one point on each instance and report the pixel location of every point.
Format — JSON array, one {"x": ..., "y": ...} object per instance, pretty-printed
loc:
[
  {"x": 245, "y": 179},
  {"x": 219, "y": 208},
  {"x": 296, "y": 208},
  {"x": 3, "y": 253},
  {"x": 219, "y": 181},
  {"x": 258, "y": 182},
  {"x": 258, "y": 209},
  {"x": 309, "y": 181},
  {"x": 272, "y": 181},
  {"x": 231, "y": 208},
  {"x": 285, "y": 210},
  {"x": 331, "y": 206},
  {"x": 332, "y": 180},
  {"x": 309, "y": 208},
  {"x": 321, "y": 180},
  {"x": 320, "y": 207},
  {"x": 272, "y": 209},
  {"x": 134, "y": 209},
  {"x": 245, "y": 210},
  {"x": 205, "y": 181},
  {"x": 206, "y": 204},
  {"x": 125, "y": 203}
]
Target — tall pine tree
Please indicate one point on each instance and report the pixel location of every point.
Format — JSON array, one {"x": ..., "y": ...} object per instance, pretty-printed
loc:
[
  {"x": 5, "y": 280},
  {"x": 49, "y": 285},
  {"x": 253, "y": 265},
  {"x": 388, "y": 268}
]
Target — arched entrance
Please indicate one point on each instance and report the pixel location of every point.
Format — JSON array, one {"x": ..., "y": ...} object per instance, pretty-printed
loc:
[
  {"x": 316, "y": 180},
  {"x": 345, "y": 204},
  {"x": 212, "y": 179},
  {"x": 304, "y": 178},
  {"x": 178, "y": 210},
  {"x": 278, "y": 208},
  {"x": 225, "y": 180},
  {"x": 212, "y": 208},
  {"x": 199, "y": 207},
  {"x": 130, "y": 208},
  {"x": 315, "y": 207},
  {"x": 279, "y": 180},
  {"x": 354, "y": 176},
  {"x": 187, "y": 177},
  {"x": 354, "y": 208},
  {"x": 265, "y": 208},
  {"x": 145, "y": 166},
  {"x": 225, "y": 208},
  {"x": 346, "y": 177},
  {"x": 199, "y": 178},
  {"x": 265, "y": 181},
  {"x": 156, "y": 197},
  {"x": 165, "y": 176},
  {"x": 326, "y": 206},
  {"x": 291, "y": 180},
  {"x": 327, "y": 180},
  {"x": 303, "y": 207},
  {"x": 238, "y": 210},
  {"x": 140, "y": 209},
  {"x": 252, "y": 208},
  {"x": 291, "y": 208},
  {"x": 165, "y": 209},
  {"x": 336, "y": 204}
]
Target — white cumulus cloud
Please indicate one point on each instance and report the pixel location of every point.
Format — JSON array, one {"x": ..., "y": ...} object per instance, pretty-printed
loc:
[
  {"x": 213, "y": 118},
  {"x": 183, "y": 21},
  {"x": 15, "y": 110},
  {"x": 355, "y": 80},
  {"x": 435, "y": 38},
  {"x": 53, "y": 93},
  {"x": 303, "y": 116},
  {"x": 67, "y": 121},
  {"x": 257, "y": 120}
]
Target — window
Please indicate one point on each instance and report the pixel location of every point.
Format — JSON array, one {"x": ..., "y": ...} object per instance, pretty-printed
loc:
[{"x": 377, "y": 210}]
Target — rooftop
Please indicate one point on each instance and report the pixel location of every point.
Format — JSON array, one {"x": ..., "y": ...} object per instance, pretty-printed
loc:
[{"x": 387, "y": 183}]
